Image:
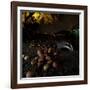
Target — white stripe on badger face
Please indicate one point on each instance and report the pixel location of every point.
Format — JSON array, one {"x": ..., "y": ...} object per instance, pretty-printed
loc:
[{"x": 66, "y": 45}]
